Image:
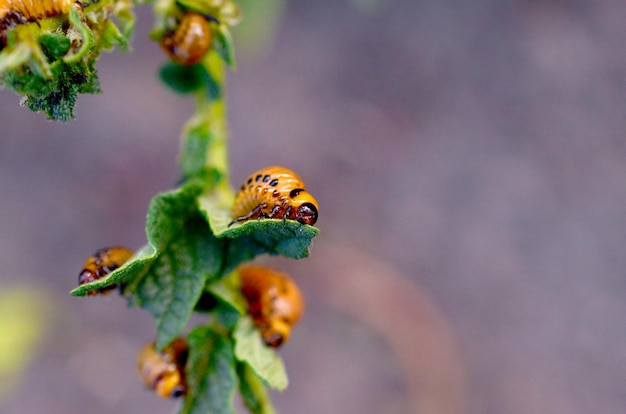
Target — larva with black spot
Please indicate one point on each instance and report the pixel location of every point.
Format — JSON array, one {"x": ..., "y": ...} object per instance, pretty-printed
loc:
[
  {"x": 35, "y": 9},
  {"x": 164, "y": 372},
  {"x": 100, "y": 264},
  {"x": 277, "y": 193},
  {"x": 14, "y": 12},
  {"x": 274, "y": 302}
]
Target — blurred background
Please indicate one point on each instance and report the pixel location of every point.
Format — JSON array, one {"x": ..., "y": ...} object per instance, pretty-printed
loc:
[{"x": 469, "y": 160}]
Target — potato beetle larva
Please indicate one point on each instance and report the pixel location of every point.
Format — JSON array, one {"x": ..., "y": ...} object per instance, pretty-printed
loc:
[
  {"x": 274, "y": 302},
  {"x": 190, "y": 41},
  {"x": 164, "y": 372},
  {"x": 14, "y": 12},
  {"x": 100, "y": 264},
  {"x": 35, "y": 10},
  {"x": 274, "y": 192}
]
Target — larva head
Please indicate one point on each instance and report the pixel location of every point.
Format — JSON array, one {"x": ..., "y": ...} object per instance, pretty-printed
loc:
[
  {"x": 164, "y": 371},
  {"x": 287, "y": 306},
  {"x": 276, "y": 333},
  {"x": 86, "y": 276},
  {"x": 304, "y": 205},
  {"x": 274, "y": 302},
  {"x": 100, "y": 264},
  {"x": 170, "y": 385}
]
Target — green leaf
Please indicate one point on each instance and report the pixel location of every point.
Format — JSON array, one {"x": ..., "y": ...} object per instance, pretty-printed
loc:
[
  {"x": 228, "y": 290},
  {"x": 87, "y": 38},
  {"x": 227, "y": 316},
  {"x": 111, "y": 36},
  {"x": 253, "y": 391},
  {"x": 200, "y": 6},
  {"x": 204, "y": 145},
  {"x": 230, "y": 302},
  {"x": 275, "y": 237},
  {"x": 210, "y": 373},
  {"x": 168, "y": 213},
  {"x": 187, "y": 256},
  {"x": 264, "y": 361},
  {"x": 223, "y": 45},
  {"x": 176, "y": 279},
  {"x": 213, "y": 88},
  {"x": 57, "y": 97},
  {"x": 184, "y": 79},
  {"x": 198, "y": 138},
  {"x": 54, "y": 45},
  {"x": 126, "y": 19}
]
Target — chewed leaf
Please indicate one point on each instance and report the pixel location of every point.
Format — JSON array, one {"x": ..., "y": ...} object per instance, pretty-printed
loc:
[
  {"x": 264, "y": 361},
  {"x": 210, "y": 373}
]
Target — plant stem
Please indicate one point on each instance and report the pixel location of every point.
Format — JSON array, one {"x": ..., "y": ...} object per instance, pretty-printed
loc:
[{"x": 205, "y": 137}]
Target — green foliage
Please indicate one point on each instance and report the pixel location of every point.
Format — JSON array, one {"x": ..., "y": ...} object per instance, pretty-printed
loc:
[
  {"x": 210, "y": 373},
  {"x": 253, "y": 391},
  {"x": 56, "y": 97},
  {"x": 54, "y": 45},
  {"x": 249, "y": 348},
  {"x": 193, "y": 251},
  {"x": 223, "y": 44},
  {"x": 51, "y": 61},
  {"x": 176, "y": 279},
  {"x": 184, "y": 79}
]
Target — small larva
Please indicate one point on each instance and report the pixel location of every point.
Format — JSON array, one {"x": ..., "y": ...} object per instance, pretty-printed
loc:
[
  {"x": 274, "y": 302},
  {"x": 188, "y": 44},
  {"x": 164, "y": 372},
  {"x": 100, "y": 264}
]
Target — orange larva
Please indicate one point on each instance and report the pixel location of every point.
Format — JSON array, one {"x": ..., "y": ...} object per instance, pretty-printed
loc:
[
  {"x": 188, "y": 44},
  {"x": 14, "y": 12},
  {"x": 100, "y": 264},
  {"x": 274, "y": 302},
  {"x": 274, "y": 192},
  {"x": 35, "y": 9},
  {"x": 164, "y": 372}
]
